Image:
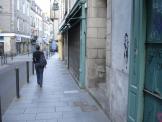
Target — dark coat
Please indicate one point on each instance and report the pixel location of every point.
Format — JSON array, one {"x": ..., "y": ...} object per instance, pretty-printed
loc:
[{"x": 36, "y": 56}]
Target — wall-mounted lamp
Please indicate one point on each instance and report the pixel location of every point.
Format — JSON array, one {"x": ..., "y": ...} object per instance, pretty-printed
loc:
[
  {"x": 68, "y": 25},
  {"x": 1, "y": 9},
  {"x": 55, "y": 6}
]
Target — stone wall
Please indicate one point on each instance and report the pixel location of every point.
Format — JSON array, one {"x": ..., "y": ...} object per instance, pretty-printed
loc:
[
  {"x": 96, "y": 42},
  {"x": 96, "y": 50},
  {"x": 9, "y": 45},
  {"x": 5, "y": 17},
  {"x": 117, "y": 60}
]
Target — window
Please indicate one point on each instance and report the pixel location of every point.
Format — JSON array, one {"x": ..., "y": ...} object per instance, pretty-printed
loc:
[
  {"x": 1, "y": 37},
  {"x": 18, "y": 4},
  {"x": 18, "y": 24},
  {"x": 23, "y": 26},
  {"x": 28, "y": 10},
  {"x": 23, "y": 8}
]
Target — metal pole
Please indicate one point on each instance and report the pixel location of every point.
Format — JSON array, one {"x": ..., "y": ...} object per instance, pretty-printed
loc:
[
  {"x": 27, "y": 71},
  {"x": 83, "y": 46},
  {"x": 1, "y": 60},
  {"x": 17, "y": 83},
  {"x": 0, "y": 111},
  {"x": 33, "y": 68},
  {"x": 28, "y": 48},
  {"x": 6, "y": 58}
]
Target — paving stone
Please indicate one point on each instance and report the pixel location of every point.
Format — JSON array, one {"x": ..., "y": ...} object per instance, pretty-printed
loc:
[
  {"x": 47, "y": 116},
  {"x": 20, "y": 117},
  {"x": 53, "y": 120},
  {"x": 36, "y": 121},
  {"x": 14, "y": 121},
  {"x": 15, "y": 111},
  {"x": 68, "y": 108},
  {"x": 74, "y": 119}
]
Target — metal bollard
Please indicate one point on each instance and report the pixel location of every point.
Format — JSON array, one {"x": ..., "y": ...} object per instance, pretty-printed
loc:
[
  {"x": 33, "y": 68},
  {"x": 6, "y": 59},
  {"x": 0, "y": 111},
  {"x": 17, "y": 83},
  {"x": 1, "y": 60},
  {"x": 27, "y": 71}
]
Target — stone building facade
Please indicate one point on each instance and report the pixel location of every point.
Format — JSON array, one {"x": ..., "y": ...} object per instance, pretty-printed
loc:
[
  {"x": 36, "y": 23},
  {"x": 96, "y": 49},
  {"x": 107, "y": 53},
  {"x": 118, "y": 59},
  {"x": 15, "y": 26},
  {"x": 21, "y": 26}
]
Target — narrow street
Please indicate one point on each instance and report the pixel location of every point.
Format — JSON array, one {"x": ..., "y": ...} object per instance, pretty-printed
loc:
[{"x": 60, "y": 99}]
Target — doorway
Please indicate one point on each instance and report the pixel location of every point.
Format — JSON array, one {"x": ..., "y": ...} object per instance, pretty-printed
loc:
[
  {"x": 145, "y": 80},
  {"x": 153, "y": 63}
]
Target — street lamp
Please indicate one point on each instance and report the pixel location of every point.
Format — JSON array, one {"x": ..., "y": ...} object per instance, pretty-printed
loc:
[{"x": 55, "y": 6}]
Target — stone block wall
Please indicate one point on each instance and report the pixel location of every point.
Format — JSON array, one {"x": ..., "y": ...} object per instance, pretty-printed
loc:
[
  {"x": 96, "y": 42},
  {"x": 117, "y": 63},
  {"x": 5, "y": 16}
]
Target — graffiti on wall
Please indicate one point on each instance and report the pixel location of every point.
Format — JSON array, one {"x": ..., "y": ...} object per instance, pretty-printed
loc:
[
  {"x": 159, "y": 116},
  {"x": 126, "y": 48}
]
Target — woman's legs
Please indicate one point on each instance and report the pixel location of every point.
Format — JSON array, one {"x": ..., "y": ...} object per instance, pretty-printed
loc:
[
  {"x": 41, "y": 76},
  {"x": 38, "y": 76}
]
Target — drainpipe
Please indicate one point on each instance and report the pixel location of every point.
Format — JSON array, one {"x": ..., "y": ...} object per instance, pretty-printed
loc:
[{"x": 82, "y": 45}]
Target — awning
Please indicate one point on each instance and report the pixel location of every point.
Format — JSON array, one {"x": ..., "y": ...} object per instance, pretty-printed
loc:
[
  {"x": 18, "y": 36},
  {"x": 72, "y": 17},
  {"x": 14, "y": 34}
]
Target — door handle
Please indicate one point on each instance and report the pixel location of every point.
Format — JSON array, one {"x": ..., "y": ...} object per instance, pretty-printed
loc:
[
  {"x": 157, "y": 93},
  {"x": 154, "y": 94}
]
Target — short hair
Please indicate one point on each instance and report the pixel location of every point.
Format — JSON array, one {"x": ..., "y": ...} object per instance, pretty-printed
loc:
[{"x": 37, "y": 47}]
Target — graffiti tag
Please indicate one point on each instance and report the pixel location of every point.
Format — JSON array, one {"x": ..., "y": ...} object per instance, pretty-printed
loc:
[
  {"x": 159, "y": 116},
  {"x": 126, "y": 47}
]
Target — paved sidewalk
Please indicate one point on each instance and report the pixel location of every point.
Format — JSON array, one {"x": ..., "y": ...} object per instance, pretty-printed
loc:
[
  {"x": 60, "y": 100},
  {"x": 20, "y": 58},
  {"x": 15, "y": 60}
]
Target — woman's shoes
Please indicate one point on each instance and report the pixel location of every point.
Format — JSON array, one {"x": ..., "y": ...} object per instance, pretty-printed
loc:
[{"x": 40, "y": 84}]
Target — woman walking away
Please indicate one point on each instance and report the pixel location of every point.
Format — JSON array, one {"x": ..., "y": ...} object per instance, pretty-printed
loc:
[{"x": 40, "y": 62}]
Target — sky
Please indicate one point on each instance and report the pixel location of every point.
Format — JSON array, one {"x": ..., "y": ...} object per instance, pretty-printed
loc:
[{"x": 44, "y": 5}]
